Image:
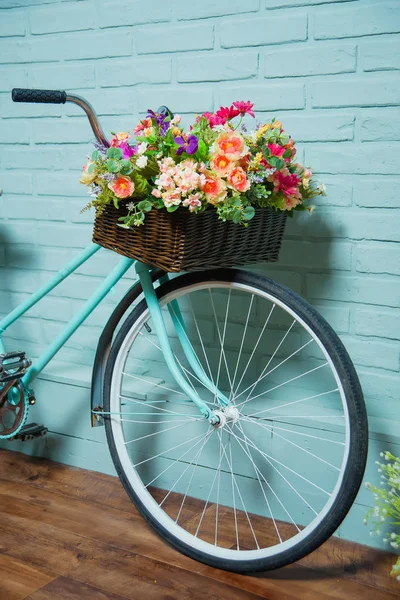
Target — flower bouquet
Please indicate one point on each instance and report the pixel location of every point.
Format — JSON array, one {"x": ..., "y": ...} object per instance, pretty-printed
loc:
[{"x": 216, "y": 172}]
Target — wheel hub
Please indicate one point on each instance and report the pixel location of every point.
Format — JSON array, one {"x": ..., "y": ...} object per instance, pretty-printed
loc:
[{"x": 227, "y": 416}]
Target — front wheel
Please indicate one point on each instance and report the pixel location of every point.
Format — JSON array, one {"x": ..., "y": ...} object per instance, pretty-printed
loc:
[{"x": 278, "y": 478}]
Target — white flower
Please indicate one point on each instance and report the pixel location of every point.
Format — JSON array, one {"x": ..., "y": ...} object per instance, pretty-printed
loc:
[
  {"x": 142, "y": 148},
  {"x": 322, "y": 189},
  {"x": 394, "y": 544},
  {"x": 176, "y": 120},
  {"x": 130, "y": 206},
  {"x": 142, "y": 162}
]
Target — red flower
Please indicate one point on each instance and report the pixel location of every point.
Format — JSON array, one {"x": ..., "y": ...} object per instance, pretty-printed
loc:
[
  {"x": 276, "y": 150},
  {"x": 213, "y": 119},
  {"x": 287, "y": 183},
  {"x": 226, "y": 114},
  {"x": 244, "y": 108}
]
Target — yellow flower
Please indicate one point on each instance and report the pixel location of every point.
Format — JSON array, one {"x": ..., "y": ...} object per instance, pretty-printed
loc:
[
  {"x": 262, "y": 130},
  {"x": 87, "y": 178},
  {"x": 255, "y": 162}
]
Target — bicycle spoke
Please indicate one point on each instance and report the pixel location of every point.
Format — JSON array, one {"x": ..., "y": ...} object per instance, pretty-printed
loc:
[
  {"x": 293, "y": 402},
  {"x": 158, "y": 432},
  {"x": 272, "y": 430},
  {"x": 315, "y": 437},
  {"x": 242, "y": 342},
  {"x": 253, "y": 352}
]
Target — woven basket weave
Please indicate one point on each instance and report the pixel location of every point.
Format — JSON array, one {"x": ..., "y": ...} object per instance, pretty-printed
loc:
[{"x": 181, "y": 241}]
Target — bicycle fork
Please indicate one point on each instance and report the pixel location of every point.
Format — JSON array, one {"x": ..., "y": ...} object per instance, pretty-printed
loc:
[{"x": 155, "y": 312}]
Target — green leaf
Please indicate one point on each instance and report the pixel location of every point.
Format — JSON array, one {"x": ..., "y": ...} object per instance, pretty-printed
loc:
[
  {"x": 202, "y": 150},
  {"x": 249, "y": 213},
  {"x": 116, "y": 201},
  {"x": 114, "y": 153},
  {"x": 95, "y": 155},
  {"x": 126, "y": 167},
  {"x": 172, "y": 208},
  {"x": 272, "y": 161},
  {"x": 284, "y": 138},
  {"x": 280, "y": 163},
  {"x": 91, "y": 168},
  {"x": 237, "y": 216},
  {"x": 141, "y": 185},
  {"x": 113, "y": 165},
  {"x": 287, "y": 153},
  {"x": 145, "y": 205}
]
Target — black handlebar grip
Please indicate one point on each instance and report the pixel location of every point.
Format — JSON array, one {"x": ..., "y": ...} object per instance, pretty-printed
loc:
[{"x": 40, "y": 96}]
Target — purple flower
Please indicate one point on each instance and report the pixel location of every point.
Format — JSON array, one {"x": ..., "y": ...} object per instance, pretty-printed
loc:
[
  {"x": 190, "y": 147},
  {"x": 100, "y": 147},
  {"x": 127, "y": 150},
  {"x": 159, "y": 118}
]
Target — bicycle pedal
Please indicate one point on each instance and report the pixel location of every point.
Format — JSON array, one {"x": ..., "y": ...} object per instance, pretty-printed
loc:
[
  {"x": 13, "y": 365},
  {"x": 30, "y": 431}
]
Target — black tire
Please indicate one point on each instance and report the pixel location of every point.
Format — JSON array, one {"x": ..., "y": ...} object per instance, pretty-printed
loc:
[{"x": 355, "y": 467}]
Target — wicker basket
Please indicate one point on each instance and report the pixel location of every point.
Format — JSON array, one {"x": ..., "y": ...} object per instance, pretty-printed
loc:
[{"x": 181, "y": 241}]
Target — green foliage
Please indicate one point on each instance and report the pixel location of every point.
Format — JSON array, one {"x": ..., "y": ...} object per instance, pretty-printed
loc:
[
  {"x": 386, "y": 512},
  {"x": 114, "y": 153}
]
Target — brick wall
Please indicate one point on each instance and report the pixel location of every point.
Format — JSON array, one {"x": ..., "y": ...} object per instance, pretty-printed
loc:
[{"x": 329, "y": 69}]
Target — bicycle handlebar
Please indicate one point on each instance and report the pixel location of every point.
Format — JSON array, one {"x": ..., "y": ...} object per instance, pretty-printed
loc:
[
  {"x": 61, "y": 97},
  {"x": 42, "y": 96}
]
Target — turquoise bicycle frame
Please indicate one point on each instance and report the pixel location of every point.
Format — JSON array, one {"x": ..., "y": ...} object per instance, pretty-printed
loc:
[{"x": 144, "y": 274}]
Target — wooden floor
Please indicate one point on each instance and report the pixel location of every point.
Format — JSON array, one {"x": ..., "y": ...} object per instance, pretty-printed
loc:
[{"x": 69, "y": 533}]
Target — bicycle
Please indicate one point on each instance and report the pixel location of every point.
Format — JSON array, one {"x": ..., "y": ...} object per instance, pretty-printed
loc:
[{"x": 233, "y": 413}]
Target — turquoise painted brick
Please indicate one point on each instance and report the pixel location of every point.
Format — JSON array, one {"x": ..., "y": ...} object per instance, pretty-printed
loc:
[
  {"x": 11, "y": 76},
  {"x": 339, "y": 191},
  {"x": 311, "y": 60},
  {"x": 382, "y": 291},
  {"x": 217, "y": 67},
  {"x": 126, "y": 72},
  {"x": 75, "y": 236},
  {"x": 366, "y": 90},
  {"x": 70, "y": 77},
  {"x": 263, "y": 31},
  {"x": 150, "y": 40},
  {"x": 18, "y": 233},
  {"x": 320, "y": 128},
  {"x": 108, "y": 102},
  {"x": 357, "y": 19},
  {"x": 381, "y": 56},
  {"x": 12, "y": 132},
  {"x": 72, "y": 17},
  {"x": 272, "y": 96},
  {"x": 186, "y": 10},
  {"x": 380, "y": 389},
  {"x": 337, "y": 316},
  {"x": 2, "y": 260},
  {"x": 378, "y": 258},
  {"x": 286, "y": 3},
  {"x": 28, "y": 51},
  {"x": 381, "y": 125},
  {"x": 58, "y": 184},
  {"x": 68, "y": 131},
  {"x": 13, "y": 24},
  {"x": 30, "y": 158},
  {"x": 180, "y": 99},
  {"x": 372, "y": 353},
  {"x": 32, "y": 208},
  {"x": 105, "y": 44},
  {"x": 384, "y": 323},
  {"x": 15, "y": 185},
  {"x": 356, "y": 224},
  {"x": 379, "y": 192},
  {"x": 136, "y": 12},
  {"x": 362, "y": 159},
  {"x": 316, "y": 255}
]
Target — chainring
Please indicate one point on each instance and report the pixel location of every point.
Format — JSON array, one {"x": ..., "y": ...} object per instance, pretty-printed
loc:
[{"x": 13, "y": 412}]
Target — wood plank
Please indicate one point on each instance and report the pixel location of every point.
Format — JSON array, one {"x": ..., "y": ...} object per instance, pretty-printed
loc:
[
  {"x": 18, "y": 578},
  {"x": 64, "y": 588},
  {"x": 103, "y": 566},
  {"x": 335, "y": 559}
]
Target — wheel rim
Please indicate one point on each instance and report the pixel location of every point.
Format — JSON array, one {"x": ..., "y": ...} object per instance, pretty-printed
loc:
[{"x": 233, "y": 455}]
